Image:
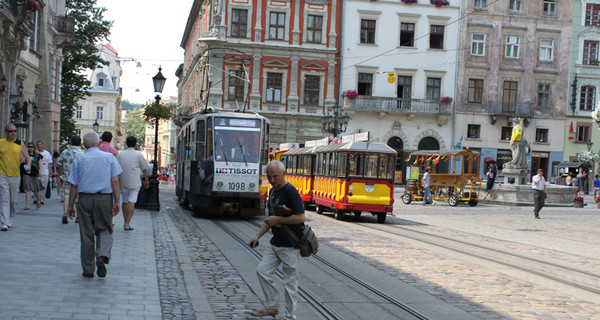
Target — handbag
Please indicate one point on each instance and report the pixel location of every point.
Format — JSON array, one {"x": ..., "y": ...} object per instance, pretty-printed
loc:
[
  {"x": 309, "y": 243},
  {"x": 49, "y": 190}
]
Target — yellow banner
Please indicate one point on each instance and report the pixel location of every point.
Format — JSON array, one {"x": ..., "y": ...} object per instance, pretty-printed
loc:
[{"x": 391, "y": 76}]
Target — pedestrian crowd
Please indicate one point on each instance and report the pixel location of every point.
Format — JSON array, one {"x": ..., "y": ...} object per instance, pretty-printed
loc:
[{"x": 92, "y": 183}]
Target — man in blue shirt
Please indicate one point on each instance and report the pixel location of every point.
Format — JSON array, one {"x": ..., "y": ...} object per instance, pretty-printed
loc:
[
  {"x": 285, "y": 208},
  {"x": 95, "y": 177}
]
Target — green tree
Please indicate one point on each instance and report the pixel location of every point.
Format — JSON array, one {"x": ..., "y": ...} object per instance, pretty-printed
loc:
[
  {"x": 79, "y": 56},
  {"x": 127, "y": 105},
  {"x": 136, "y": 125}
]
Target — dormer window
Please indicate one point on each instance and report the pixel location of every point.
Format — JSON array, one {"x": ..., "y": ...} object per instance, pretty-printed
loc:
[{"x": 100, "y": 82}]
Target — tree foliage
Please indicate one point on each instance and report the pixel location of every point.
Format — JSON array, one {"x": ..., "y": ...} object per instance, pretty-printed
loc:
[
  {"x": 79, "y": 56},
  {"x": 136, "y": 125},
  {"x": 127, "y": 105}
]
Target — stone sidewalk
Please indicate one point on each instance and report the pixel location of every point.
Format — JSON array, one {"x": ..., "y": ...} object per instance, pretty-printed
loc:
[{"x": 40, "y": 270}]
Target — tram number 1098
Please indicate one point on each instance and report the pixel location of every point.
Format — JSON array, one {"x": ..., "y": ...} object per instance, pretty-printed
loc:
[{"x": 237, "y": 186}]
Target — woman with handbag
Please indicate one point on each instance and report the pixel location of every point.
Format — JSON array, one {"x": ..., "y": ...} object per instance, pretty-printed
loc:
[{"x": 31, "y": 181}]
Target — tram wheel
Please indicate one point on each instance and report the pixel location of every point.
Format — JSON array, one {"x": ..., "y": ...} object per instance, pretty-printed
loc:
[
  {"x": 319, "y": 209},
  {"x": 407, "y": 198},
  {"x": 381, "y": 217},
  {"x": 357, "y": 213},
  {"x": 453, "y": 200},
  {"x": 472, "y": 203},
  {"x": 338, "y": 214}
]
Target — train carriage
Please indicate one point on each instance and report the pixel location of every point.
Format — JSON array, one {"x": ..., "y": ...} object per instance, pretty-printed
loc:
[
  {"x": 349, "y": 177},
  {"x": 221, "y": 161}
]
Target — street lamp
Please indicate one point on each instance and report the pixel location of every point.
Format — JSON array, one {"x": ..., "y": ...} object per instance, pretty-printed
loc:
[
  {"x": 335, "y": 123},
  {"x": 153, "y": 203},
  {"x": 589, "y": 145},
  {"x": 96, "y": 126}
]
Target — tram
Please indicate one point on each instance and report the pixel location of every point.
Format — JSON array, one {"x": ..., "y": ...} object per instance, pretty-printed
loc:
[
  {"x": 454, "y": 176},
  {"x": 221, "y": 163},
  {"x": 351, "y": 177}
]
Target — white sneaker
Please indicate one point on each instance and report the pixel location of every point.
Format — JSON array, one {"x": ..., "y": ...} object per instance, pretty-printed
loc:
[{"x": 4, "y": 227}]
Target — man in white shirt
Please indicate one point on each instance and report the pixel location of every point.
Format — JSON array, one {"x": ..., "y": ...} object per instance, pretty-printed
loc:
[
  {"x": 133, "y": 164},
  {"x": 46, "y": 167},
  {"x": 538, "y": 183}
]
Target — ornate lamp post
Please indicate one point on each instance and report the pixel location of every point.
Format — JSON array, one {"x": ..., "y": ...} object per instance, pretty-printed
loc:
[
  {"x": 333, "y": 120},
  {"x": 96, "y": 126},
  {"x": 153, "y": 202}
]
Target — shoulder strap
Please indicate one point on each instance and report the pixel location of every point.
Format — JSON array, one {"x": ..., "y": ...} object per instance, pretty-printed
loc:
[{"x": 292, "y": 234}]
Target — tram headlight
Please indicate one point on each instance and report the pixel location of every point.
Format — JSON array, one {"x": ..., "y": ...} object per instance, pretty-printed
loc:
[
  {"x": 220, "y": 184},
  {"x": 252, "y": 185}
]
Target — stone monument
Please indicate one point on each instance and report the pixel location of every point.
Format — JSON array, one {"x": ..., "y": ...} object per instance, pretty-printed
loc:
[{"x": 516, "y": 171}]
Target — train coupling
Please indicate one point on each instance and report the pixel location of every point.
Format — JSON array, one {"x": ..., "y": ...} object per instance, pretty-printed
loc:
[{"x": 230, "y": 207}]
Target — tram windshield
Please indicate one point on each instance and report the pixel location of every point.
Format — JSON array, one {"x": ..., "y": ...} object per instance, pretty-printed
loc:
[{"x": 237, "y": 140}]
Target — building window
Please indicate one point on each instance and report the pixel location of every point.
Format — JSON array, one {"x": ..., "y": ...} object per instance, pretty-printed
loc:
[
  {"x": 505, "y": 133},
  {"x": 404, "y": 87},
  {"x": 590, "y": 52},
  {"x": 509, "y": 95},
  {"x": 365, "y": 84},
  {"x": 541, "y": 135},
  {"x": 236, "y": 85},
  {"x": 512, "y": 47},
  {"x": 99, "y": 113},
  {"x": 274, "y": 82},
  {"x": 588, "y": 98},
  {"x": 592, "y": 14},
  {"x": 544, "y": 95},
  {"x": 34, "y": 39},
  {"x": 314, "y": 29},
  {"x": 277, "y": 26},
  {"x": 311, "y": 90},
  {"x": 78, "y": 112},
  {"x": 434, "y": 86},
  {"x": 367, "y": 31},
  {"x": 515, "y": 5},
  {"x": 407, "y": 34},
  {"x": 480, "y": 4},
  {"x": 78, "y": 132},
  {"x": 475, "y": 91},
  {"x": 583, "y": 133},
  {"x": 478, "y": 44},
  {"x": 473, "y": 131},
  {"x": 436, "y": 37},
  {"x": 549, "y": 8},
  {"x": 546, "y": 50},
  {"x": 239, "y": 23},
  {"x": 100, "y": 82}
]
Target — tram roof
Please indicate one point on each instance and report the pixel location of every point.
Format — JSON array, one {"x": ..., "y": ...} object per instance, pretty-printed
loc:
[
  {"x": 359, "y": 146},
  {"x": 304, "y": 150},
  {"x": 446, "y": 152}
]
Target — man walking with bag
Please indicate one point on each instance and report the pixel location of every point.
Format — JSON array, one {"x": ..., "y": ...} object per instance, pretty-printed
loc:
[{"x": 284, "y": 207}]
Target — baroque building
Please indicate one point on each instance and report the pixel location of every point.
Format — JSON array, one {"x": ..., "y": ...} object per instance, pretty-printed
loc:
[
  {"x": 33, "y": 35},
  {"x": 398, "y": 72},
  {"x": 276, "y": 58},
  {"x": 514, "y": 63}
]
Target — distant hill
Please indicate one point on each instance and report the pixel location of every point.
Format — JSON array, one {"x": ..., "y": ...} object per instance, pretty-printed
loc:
[{"x": 126, "y": 105}]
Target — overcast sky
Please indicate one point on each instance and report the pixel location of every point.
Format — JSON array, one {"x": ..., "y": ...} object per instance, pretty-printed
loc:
[{"x": 148, "y": 31}]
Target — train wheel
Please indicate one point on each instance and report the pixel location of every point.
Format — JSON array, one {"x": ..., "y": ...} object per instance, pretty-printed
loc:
[
  {"x": 357, "y": 213},
  {"x": 338, "y": 214},
  {"x": 472, "y": 203},
  {"x": 381, "y": 217},
  {"x": 407, "y": 198},
  {"x": 453, "y": 200},
  {"x": 319, "y": 209}
]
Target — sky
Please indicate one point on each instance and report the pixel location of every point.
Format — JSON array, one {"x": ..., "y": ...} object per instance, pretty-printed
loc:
[{"x": 148, "y": 32}]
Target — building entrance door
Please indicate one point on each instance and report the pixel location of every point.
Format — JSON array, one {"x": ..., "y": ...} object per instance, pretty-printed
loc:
[{"x": 539, "y": 160}]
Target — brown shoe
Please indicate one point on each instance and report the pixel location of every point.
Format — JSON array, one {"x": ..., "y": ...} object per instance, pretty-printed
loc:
[{"x": 264, "y": 312}]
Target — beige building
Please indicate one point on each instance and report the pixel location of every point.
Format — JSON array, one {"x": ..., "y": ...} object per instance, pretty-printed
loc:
[
  {"x": 104, "y": 105},
  {"x": 33, "y": 35},
  {"x": 514, "y": 64}
]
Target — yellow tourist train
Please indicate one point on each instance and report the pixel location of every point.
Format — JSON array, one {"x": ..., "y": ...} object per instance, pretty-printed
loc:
[{"x": 348, "y": 177}]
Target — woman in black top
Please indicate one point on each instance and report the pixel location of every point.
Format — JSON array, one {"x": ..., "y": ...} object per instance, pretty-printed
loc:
[
  {"x": 491, "y": 178},
  {"x": 31, "y": 181}
]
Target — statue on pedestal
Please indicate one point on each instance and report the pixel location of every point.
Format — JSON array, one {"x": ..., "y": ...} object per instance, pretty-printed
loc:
[{"x": 518, "y": 146}]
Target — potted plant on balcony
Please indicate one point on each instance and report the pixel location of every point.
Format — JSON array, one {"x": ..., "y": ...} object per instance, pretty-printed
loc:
[
  {"x": 409, "y": 1},
  {"x": 157, "y": 111},
  {"x": 351, "y": 94},
  {"x": 596, "y": 115},
  {"x": 594, "y": 62},
  {"x": 446, "y": 100},
  {"x": 577, "y": 201},
  {"x": 30, "y": 5},
  {"x": 440, "y": 3}
]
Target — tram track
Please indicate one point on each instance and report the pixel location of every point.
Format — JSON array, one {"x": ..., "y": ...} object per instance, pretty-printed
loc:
[
  {"x": 566, "y": 275},
  {"x": 319, "y": 306}
]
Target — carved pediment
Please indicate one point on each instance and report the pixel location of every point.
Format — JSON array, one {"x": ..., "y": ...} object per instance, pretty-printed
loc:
[
  {"x": 312, "y": 65},
  {"x": 276, "y": 63}
]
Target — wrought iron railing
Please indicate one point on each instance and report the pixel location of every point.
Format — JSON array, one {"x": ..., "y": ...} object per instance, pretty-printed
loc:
[
  {"x": 22, "y": 10},
  {"x": 387, "y": 104}
]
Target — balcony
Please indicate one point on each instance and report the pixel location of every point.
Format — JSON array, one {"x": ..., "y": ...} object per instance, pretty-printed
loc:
[
  {"x": 21, "y": 12},
  {"x": 397, "y": 105},
  {"x": 64, "y": 28},
  {"x": 519, "y": 109}
]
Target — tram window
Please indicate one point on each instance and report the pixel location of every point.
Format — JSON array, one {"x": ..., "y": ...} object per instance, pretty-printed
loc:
[
  {"x": 306, "y": 165},
  {"x": 321, "y": 164},
  {"x": 371, "y": 166},
  {"x": 333, "y": 164},
  {"x": 200, "y": 139},
  {"x": 342, "y": 164},
  {"x": 265, "y": 146},
  {"x": 383, "y": 166},
  {"x": 352, "y": 164},
  {"x": 300, "y": 165},
  {"x": 209, "y": 138}
]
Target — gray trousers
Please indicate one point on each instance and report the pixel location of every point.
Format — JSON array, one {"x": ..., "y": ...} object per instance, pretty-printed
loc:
[
  {"x": 9, "y": 186},
  {"x": 95, "y": 227},
  {"x": 538, "y": 201}
]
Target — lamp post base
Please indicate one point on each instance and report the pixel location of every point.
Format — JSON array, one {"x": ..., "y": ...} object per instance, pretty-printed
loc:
[{"x": 153, "y": 204}]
